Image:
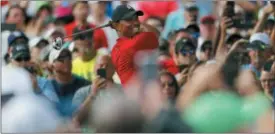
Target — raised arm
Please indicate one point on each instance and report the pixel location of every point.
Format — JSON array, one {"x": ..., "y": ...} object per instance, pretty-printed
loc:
[{"x": 268, "y": 9}]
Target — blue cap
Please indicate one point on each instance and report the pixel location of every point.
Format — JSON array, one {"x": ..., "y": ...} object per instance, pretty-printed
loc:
[{"x": 15, "y": 35}]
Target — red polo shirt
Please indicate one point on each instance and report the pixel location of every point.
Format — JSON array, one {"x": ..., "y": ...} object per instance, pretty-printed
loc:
[
  {"x": 124, "y": 52},
  {"x": 99, "y": 37}
]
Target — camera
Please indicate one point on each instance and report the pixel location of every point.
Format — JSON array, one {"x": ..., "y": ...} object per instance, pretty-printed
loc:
[{"x": 272, "y": 2}]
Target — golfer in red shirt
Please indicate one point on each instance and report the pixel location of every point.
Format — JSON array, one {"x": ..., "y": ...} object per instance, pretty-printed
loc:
[{"x": 133, "y": 37}]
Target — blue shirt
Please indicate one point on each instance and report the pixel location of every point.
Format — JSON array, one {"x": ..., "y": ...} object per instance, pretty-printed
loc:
[
  {"x": 252, "y": 68},
  {"x": 175, "y": 20},
  {"x": 62, "y": 94}
]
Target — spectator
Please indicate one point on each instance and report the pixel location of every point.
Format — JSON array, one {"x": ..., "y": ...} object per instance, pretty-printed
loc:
[
  {"x": 20, "y": 55},
  {"x": 185, "y": 58},
  {"x": 36, "y": 45},
  {"x": 16, "y": 15},
  {"x": 98, "y": 17},
  {"x": 15, "y": 38},
  {"x": 268, "y": 80},
  {"x": 63, "y": 86},
  {"x": 130, "y": 41},
  {"x": 205, "y": 51},
  {"x": 259, "y": 43},
  {"x": 103, "y": 62},
  {"x": 170, "y": 88},
  {"x": 207, "y": 29},
  {"x": 83, "y": 64},
  {"x": 179, "y": 16},
  {"x": 80, "y": 12}
]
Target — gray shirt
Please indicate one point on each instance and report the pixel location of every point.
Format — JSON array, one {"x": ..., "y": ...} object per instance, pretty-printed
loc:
[{"x": 83, "y": 93}]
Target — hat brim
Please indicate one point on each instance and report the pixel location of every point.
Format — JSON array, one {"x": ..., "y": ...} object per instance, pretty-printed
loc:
[
  {"x": 132, "y": 14},
  {"x": 256, "y": 46},
  {"x": 21, "y": 54}
]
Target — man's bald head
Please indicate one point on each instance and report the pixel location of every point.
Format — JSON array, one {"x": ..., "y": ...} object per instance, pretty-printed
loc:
[{"x": 105, "y": 62}]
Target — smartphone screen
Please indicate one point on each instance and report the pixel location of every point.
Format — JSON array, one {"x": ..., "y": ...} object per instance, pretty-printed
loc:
[{"x": 101, "y": 72}]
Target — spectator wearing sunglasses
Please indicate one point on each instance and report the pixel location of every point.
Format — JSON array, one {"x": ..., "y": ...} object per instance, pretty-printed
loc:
[
  {"x": 20, "y": 55},
  {"x": 15, "y": 37},
  {"x": 185, "y": 52}
]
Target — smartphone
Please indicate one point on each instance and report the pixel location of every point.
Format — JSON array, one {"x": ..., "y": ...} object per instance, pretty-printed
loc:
[
  {"x": 230, "y": 9},
  {"x": 102, "y": 73}
]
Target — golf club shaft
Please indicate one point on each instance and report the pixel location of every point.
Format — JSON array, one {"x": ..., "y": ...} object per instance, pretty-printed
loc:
[{"x": 89, "y": 30}]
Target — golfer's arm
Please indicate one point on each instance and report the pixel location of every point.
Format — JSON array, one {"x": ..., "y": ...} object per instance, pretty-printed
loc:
[{"x": 149, "y": 28}]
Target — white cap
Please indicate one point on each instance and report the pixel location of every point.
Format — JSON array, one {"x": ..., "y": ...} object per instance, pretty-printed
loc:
[
  {"x": 54, "y": 54},
  {"x": 16, "y": 80},
  {"x": 93, "y": 2},
  {"x": 35, "y": 41},
  {"x": 29, "y": 114},
  {"x": 263, "y": 37}
]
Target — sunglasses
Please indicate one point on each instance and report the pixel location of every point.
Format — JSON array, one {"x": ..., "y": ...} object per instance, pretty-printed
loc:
[
  {"x": 20, "y": 59},
  {"x": 185, "y": 52}
]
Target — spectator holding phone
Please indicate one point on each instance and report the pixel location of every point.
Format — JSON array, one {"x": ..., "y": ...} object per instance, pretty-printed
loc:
[{"x": 103, "y": 82}]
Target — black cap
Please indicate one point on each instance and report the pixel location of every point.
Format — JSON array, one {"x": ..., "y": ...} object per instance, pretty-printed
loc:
[
  {"x": 84, "y": 36},
  {"x": 184, "y": 44},
  {"x": 233, "y": 38},
  {"x": 20, "y": 50},
  {"x": 256, "y": 45},
  {"x": 125, "y": 12}
]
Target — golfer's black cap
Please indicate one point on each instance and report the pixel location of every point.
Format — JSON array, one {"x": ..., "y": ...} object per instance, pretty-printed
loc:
[{"x": 125, "y": 12}]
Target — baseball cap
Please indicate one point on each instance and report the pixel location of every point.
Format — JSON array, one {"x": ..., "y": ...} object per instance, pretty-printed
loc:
[
  {"x": 259, "y": 41},
  {"x": 230, "y": 39},
  {"x": 20, "y": 50},
  {"x": 15, "y": 35},
  {"x": 209, "y": 19},
  {"x": 191, "y": 6},
  {"x": 55, "y": 54},
  {"x": 125, "y": 12},
  {"x": 184, "y": 44},
  {"x": 35, "y": 41}
]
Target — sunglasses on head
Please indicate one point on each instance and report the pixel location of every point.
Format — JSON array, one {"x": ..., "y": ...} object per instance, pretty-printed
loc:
[
  {"x": 63, "y": 58},
  {"x": 20, "y": 59}
]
